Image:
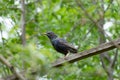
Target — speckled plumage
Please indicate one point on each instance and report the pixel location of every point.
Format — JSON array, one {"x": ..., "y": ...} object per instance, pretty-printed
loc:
[{"x": 60, "y": 45}]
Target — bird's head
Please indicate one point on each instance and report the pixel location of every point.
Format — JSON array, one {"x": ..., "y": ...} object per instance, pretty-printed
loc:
[{"x": 51, "y": 35}]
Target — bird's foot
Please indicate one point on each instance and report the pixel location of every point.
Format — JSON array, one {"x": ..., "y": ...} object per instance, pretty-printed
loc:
[{"x": 66, "y": 55}]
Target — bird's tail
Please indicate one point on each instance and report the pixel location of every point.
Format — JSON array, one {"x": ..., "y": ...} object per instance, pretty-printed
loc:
[{"x": 73, "y": 50}]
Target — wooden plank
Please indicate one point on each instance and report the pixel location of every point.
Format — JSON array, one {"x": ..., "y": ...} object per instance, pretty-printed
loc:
[{"x": 94, "y": 51}]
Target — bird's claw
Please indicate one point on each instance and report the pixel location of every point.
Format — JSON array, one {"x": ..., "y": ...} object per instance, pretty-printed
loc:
[{"x": 67, "y": 55}]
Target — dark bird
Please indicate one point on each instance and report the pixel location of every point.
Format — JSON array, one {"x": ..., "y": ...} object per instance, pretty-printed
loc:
[{"x": 60, "y": 44}]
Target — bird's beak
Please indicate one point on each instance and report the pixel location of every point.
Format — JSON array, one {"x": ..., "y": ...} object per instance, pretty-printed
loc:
[{"x": 44, "y": 33}]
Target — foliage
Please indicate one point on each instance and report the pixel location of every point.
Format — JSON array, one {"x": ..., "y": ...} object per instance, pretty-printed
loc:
[{"x": 65, "y": 18}]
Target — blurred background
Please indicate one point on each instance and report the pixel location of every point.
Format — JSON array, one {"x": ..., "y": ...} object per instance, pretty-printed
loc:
[{"x": 83, "y": 23}]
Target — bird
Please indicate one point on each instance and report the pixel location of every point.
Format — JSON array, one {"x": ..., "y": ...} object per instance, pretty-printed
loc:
[{"x": 60, "y": 44}]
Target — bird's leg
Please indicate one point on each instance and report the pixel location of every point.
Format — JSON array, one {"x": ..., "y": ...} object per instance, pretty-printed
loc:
[{"x": 67, "y": 55}]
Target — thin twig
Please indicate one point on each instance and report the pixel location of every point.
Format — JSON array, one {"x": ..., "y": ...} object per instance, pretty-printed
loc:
[
  {"x": 1, "y": 34},
  {"x": 84, "y": 37},
  {"x": 12, "y": 68},
  {"x": 73, "y": 28},
  {"x": 114, "y": 59},
  {"x": 103, "y": 64},
  {"x": 111, "y": 1}
]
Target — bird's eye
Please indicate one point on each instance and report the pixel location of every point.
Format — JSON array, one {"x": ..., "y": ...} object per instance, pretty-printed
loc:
[{"x": 48, "y": 33}]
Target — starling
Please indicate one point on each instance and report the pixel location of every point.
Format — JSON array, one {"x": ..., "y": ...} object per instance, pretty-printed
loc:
[{"x": 60, "y": 44}]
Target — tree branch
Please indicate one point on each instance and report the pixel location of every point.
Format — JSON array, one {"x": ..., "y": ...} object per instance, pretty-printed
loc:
[{"x": 94, "y": 51}]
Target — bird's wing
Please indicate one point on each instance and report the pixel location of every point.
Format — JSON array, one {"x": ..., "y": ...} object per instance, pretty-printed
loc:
[{"x": 65, "y": 43}]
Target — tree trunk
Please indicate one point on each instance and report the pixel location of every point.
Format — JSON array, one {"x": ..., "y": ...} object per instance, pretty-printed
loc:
[{"x": 23, "y": 22}]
